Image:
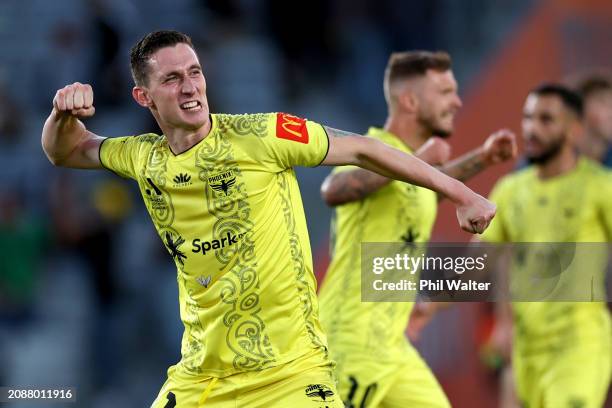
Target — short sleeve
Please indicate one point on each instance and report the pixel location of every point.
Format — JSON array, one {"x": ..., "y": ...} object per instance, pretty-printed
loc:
[
  {"x": 296, "y": 141},
  {"x": 497, "y": 231},
  {"x": 121, "y": 154}
]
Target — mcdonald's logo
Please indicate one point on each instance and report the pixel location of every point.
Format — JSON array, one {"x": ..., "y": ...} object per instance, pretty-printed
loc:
[{"x": 291, "y": 128}]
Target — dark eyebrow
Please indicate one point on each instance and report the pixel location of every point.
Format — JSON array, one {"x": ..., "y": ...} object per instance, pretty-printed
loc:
[{"x": 171, "y": 73}]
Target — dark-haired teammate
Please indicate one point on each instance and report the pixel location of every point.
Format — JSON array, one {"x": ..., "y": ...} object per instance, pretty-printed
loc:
[
  {"x": 222, "y": 193},
  {"x": 596, "y": 91},
  {"x": 561, "y": 351},
  {"x": 377, "y": 366}
]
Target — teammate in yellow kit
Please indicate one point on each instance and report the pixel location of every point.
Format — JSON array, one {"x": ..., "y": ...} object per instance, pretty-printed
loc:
[
  {"x": 561, "y": 351},
  {"x": 377, "y": 366},
  {"x": 224, "y": 199}
]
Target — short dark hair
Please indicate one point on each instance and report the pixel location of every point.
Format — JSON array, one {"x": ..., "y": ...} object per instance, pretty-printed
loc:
[
  {"x": 147, "y": 46},
  {"x": 590, "y": 83},
  {"x": 571, "y": 100},
  {"x": 411, "y": 64},
  {"x": 404, "y": 65}
]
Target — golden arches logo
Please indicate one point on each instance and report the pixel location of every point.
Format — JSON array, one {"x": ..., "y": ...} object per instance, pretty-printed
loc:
[{"x": 291, "y": 128}]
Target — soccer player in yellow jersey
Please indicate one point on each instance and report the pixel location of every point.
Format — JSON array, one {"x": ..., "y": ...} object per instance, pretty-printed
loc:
[
  {"x": 223, "y": 196},
  {"x": 561, "y": 351},
  {"x": 377, "y": 366}
]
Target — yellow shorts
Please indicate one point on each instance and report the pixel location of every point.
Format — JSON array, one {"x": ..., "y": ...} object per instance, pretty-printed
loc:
[
  {"x": 365, "y": 382},
  {"x": 307, "y": 382},
  {"x": 569, "y": 364},
  {"x": 577, "y": 377}
]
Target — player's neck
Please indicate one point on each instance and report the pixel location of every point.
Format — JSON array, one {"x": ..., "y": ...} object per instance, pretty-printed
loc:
[
  {"x": 181, "y": 140},
  {"x": 564, "y": 162},
  {"x": 408, "y": 130}
]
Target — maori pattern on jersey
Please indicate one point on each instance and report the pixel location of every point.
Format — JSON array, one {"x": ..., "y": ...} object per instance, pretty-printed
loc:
[
  {"x": 304, "y": 289},
  {"x": 246, "y": 335},
  {"x": 193, "y": 340},
  {"x": 152, "y": 181},
  {"x": 194, "y": 329},
  {"x": 244, "y": 125}
]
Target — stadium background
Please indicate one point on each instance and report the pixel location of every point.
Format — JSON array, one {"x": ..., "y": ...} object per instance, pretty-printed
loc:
[{"x": 88, "y": 295}]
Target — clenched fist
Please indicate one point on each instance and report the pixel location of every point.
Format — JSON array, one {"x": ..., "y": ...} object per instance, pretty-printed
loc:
[
  {"x": 500, "y": 146},
  {"x": 75, "y": 99},
  {"x": 475, "y": 214}
]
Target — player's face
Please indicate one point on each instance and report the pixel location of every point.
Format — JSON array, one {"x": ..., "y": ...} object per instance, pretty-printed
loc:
[
  {"x": 177, "y": 88},
  {"x": 598, "y": 114},
  {"x": 438, "y": 102},
  {"x": 546, "y": 125}
]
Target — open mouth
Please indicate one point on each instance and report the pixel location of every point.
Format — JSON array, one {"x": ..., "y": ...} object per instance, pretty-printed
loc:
[{"x": 191, "y": 106}]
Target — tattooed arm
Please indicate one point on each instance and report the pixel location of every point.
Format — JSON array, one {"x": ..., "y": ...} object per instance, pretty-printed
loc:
[
  {"x": 473, "y": 211},
  {"x": 499, "y": 147},
  {"x": 354, "y": 185},
  {"x": 467, "y": 166}
]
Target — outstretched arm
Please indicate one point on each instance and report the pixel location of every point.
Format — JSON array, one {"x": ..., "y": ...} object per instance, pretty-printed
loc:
[
  {"x": 499, "y": 147},
  {"x": 355, "y": 185},
  {"x": 65, "y": 139},
  {"x": 473, "y": 211}
]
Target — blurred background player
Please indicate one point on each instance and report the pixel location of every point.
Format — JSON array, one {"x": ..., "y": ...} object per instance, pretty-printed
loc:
[
  {"x": 561, "y": 350},
  {"x": 223, "y": 196},
  {"x": 377, "y": 366},
  {"x": 595, "y": 87}
]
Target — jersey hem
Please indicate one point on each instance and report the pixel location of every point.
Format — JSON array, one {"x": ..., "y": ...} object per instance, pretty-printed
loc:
[{"x": 311, "y": 353}]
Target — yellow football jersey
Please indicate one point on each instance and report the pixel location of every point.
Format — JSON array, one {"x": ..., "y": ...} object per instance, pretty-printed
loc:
[
  {"x": 573, "y": 207},
  {"x": 398, "y": 212},
  {"x": 230, "y": 214}
]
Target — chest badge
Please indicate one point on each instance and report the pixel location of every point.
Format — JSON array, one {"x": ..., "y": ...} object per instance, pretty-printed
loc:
[
  {"x": 182, "y": 180},
  {"x": 222, "y": 183}
]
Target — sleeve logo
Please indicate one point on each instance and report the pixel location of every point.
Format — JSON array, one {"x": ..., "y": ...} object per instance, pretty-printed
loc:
[{"x": 291, "y": 128}]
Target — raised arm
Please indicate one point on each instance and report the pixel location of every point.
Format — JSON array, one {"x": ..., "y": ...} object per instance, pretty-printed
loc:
[
  {"x": 499, "y": 147},
  {"x": 65, "y": 139},
  {"x": 473, "y": 211},
  {"x": 353, "y": 185}
]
